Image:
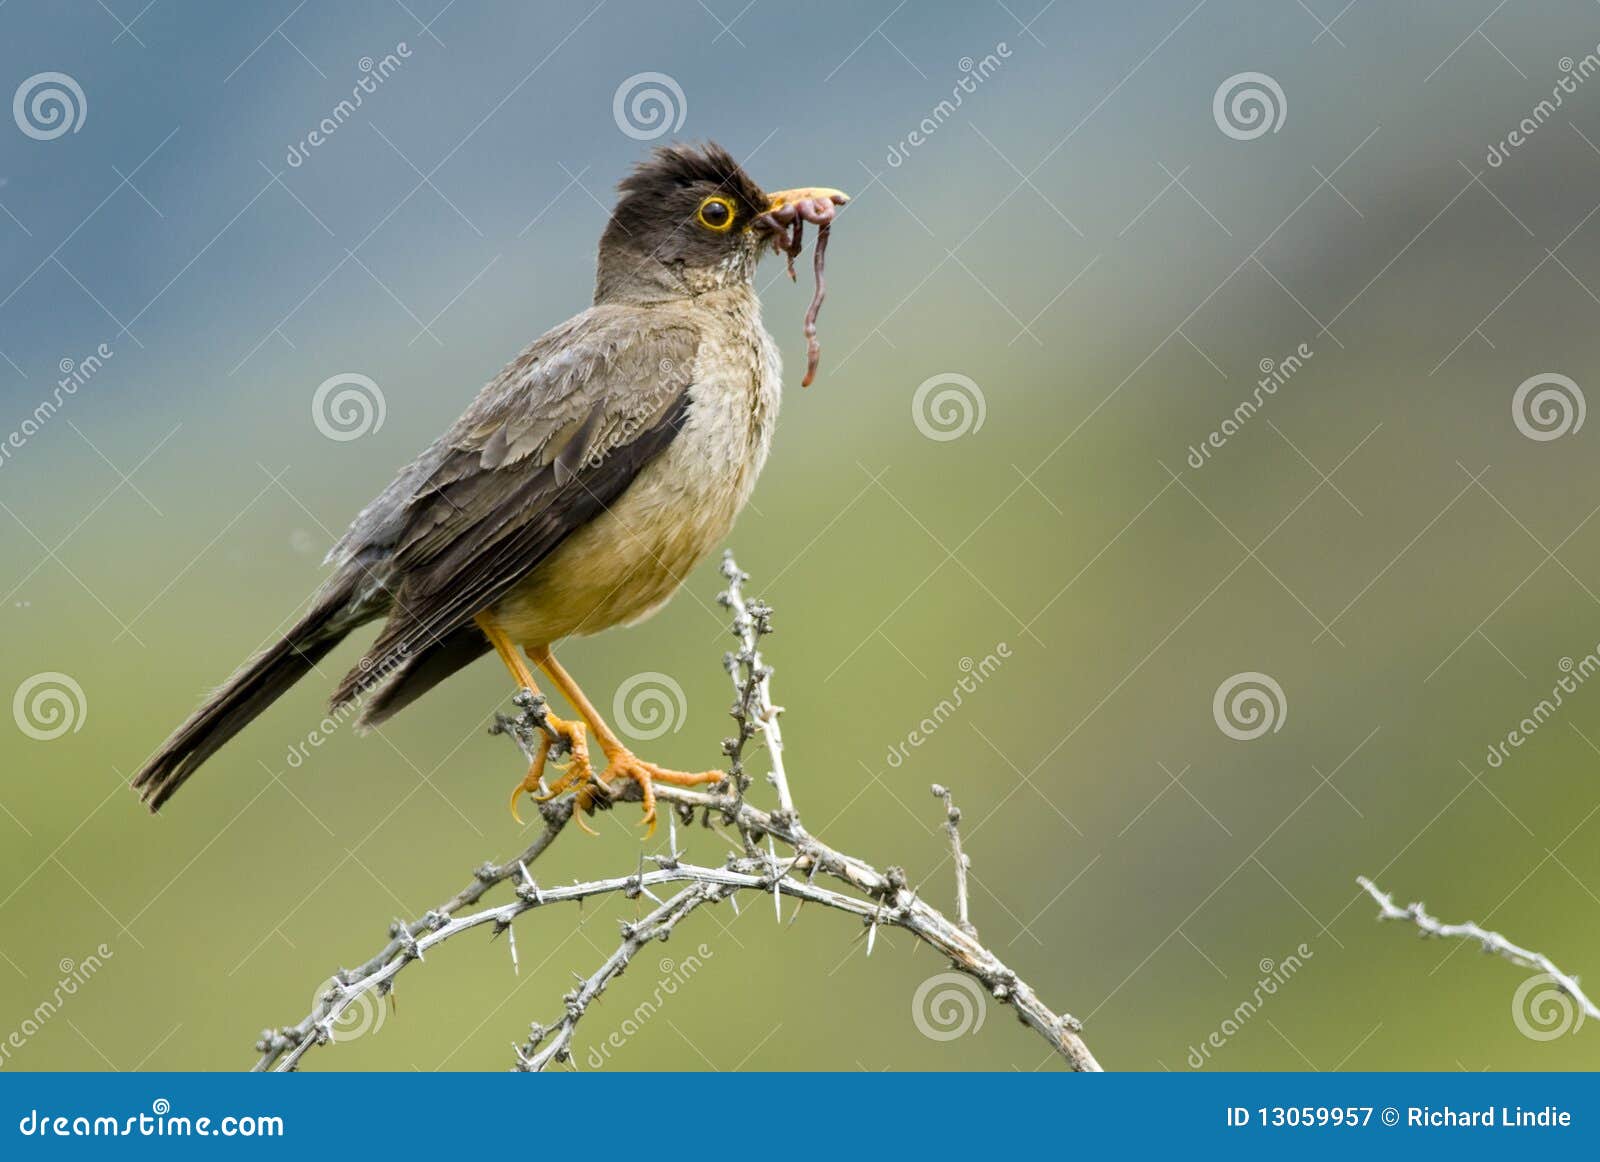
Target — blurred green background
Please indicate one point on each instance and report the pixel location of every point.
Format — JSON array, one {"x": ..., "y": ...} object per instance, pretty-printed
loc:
[{"x": 1108, "y": 267}]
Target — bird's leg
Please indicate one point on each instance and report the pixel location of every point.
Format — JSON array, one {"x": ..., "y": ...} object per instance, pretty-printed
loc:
[
  {"x": 620, "y": 761},
  {"x": 532, "y": 783}
]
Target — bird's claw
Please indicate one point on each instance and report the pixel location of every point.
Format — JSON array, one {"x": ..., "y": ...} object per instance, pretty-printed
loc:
[
  {"x": 626, "y": 764},
  {"x": 593, "y": 791},
  {"x": 576, "y": 769}
]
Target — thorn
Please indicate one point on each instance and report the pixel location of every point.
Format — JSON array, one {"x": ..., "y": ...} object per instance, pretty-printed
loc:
[
  {"x": 777, "y": 900},
  {"x": 511, "y": 939}
]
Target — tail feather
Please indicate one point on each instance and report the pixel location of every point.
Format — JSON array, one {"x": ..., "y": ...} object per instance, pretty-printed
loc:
[
  {"x": 419, "y": 674},
  {"x": 258, "y": 684}
]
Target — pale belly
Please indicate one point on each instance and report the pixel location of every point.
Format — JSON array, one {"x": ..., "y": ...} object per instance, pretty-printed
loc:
[{"x": 625, "y": 564}]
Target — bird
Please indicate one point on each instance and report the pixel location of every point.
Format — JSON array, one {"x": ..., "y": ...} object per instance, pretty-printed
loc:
[{"x": 575, "y": 492}]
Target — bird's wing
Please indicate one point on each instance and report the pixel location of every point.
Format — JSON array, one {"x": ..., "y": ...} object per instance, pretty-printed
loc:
[{"x": 545, "y": 447}]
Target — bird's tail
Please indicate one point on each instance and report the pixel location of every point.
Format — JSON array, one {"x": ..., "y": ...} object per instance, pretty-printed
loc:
[{"x": 258, "y": 684}]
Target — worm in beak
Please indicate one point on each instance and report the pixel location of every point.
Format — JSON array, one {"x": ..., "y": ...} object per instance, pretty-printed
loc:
[{"x": 786, "y": 218}]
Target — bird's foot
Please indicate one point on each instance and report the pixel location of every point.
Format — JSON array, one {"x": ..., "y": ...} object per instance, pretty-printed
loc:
[
  {"x": 577, "y": 767},
  {"x": 622, "y": 763}
]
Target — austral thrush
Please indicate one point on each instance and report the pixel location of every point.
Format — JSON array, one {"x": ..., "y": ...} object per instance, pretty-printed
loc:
[{"x": 575, "y": 493}]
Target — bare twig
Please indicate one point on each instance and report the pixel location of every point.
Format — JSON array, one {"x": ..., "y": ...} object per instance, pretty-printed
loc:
[
  {"x": 316, "y": 1027},
  {"x": 1490, "y": 941},
  {"x": 534, "y": 1055},
  {"x": 952, "y": 827},
  {"x": 876, "y": 898},
  {"x": 751, "y": 622}
]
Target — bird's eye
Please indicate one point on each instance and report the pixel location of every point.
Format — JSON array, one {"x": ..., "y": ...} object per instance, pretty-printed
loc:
[{"x": 716, "y": 214}]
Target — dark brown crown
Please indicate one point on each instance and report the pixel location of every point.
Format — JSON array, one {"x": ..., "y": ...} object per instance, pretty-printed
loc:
[{"x": 672, "y": 169}]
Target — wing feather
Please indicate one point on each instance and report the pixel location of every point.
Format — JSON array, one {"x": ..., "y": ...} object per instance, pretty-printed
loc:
[{"x": 545, "y": 447}]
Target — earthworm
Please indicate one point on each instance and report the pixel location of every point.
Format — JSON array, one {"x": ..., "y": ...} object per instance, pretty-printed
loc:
[{"x": 789, "y": 222}]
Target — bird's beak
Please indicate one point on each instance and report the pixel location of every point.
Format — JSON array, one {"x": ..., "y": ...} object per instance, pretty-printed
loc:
[{"x": 815, "y": 194}]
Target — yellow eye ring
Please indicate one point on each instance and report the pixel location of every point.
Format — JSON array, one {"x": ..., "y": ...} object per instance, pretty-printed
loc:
[{"x": 716, "y": 213}]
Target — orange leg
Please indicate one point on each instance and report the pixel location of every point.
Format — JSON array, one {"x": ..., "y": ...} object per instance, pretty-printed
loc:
[
  {"x": 533, "y": 782},
  {"x": 621, "y": 762}
]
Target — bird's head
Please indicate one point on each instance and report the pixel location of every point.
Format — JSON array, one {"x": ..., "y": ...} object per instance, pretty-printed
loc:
[{"x": 689, "y": 219}]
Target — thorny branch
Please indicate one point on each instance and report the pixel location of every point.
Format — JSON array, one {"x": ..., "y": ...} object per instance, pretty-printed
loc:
[
  {"x": 952, "y": 827},
  {"x": 877, "y": 898},
  {"x": 1490, "y": 941}
]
